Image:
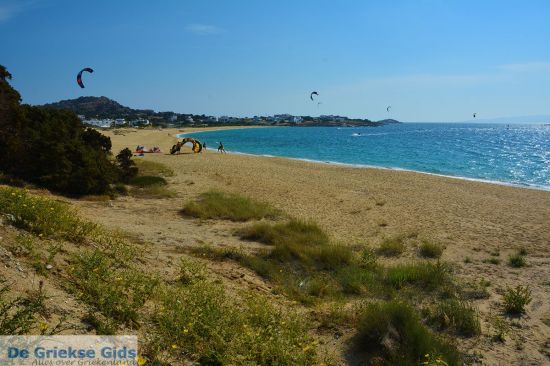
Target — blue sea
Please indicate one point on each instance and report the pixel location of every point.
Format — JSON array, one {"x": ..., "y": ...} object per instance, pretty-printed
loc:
[{"x": 514, "y": 154}]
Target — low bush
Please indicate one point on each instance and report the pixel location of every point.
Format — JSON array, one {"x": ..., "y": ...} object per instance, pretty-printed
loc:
[
  {"x": 455, "y": 315},
  {"x": 430, "y": 250},
  {"x": 228, "y": 206},
  {"x": 295, "y": 231},
  {"x": 515, "y": 299},
  {"x": 392, "y": 247},
  {"x": 42, "y": 216},
  {"x": 516, "y": 261},
  {"x": 393, "y": 331}
]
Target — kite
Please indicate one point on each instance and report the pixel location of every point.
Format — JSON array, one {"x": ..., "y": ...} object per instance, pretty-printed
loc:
[
  {"x": 388, "y": 109},
  {"x": 312, "y": 94},
  {"x": 197, "y": 146},
  {"x": 79, "y": 76}
]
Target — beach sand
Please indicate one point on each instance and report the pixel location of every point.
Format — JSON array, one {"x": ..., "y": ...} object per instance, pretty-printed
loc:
[{"x": 359, "y": 206}]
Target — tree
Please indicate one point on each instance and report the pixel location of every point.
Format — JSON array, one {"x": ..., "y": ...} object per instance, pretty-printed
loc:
[{"x": 52, "y": 148}]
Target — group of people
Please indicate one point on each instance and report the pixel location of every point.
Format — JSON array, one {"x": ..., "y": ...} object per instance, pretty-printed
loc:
[{"x": 221, "y": 149}]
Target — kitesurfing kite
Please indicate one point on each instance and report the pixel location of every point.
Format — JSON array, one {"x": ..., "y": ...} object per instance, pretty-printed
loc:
[
  {"x": 312, "y": 94},
  {"x": 388, "y": 109},
  {"x": 79, "y": 76},
  {"x": 475, "y": 114},
  {"x": 197, "y": 146}
]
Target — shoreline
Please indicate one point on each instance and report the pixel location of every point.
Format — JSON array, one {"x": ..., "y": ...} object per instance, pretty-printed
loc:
[{"x": 367, "y": 166}]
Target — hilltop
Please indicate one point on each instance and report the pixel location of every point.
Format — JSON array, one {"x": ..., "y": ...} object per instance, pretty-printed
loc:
[{"x": 105, "y": 111}]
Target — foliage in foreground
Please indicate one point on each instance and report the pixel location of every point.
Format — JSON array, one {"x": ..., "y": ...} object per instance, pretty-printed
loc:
[
  {"x": 18, "y": 316},
  {"x": 42, "y": 216},
  {"x": 455, "y": 315},
  {"x": 228, "y": 206},
  {"x": 52, "y": 148},
  {"x": 392, "y": 330},
  {"x": 216, "y": 329}
]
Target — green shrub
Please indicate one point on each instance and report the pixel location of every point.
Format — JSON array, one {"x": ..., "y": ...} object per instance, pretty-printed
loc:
[
  {"x": 52, "y": 148},
  {"x": 42, "y": 216},
  {"x": 127, "y": 166},
  {"x": 430, "y": 250},
  {"x": 393, "y": 331},
  {"x": 515, "y": 299},
  {"x": 228, "y": 206},
  {"x": 516, "y": 261},
  {"x": 392, "y": 247},
  {"x": 458, "y": 316}
]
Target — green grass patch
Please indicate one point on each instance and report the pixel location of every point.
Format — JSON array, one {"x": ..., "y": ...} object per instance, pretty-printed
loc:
[
  {"x": 455, "y": 315},
  {"x": 516, "y": 299},
  {"x": 393, "y": 331},
  {"x": 491, "y": 260},
  {"x": 43, "y": 216},
  {"x": 148, "y": 167},
  {"x": 430, "y": 250},
  {"x": 516, "y": 261},
  {"x": 392, "y": 247},
  {"x": 298, "y": 232},
  {"x": 423, "y": 275},
  {"x": 228, "y": 206},
  {"x": 144, "y": 181}
]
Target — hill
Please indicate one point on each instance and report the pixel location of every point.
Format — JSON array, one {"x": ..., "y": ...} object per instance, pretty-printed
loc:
[{"x": 98, "y": 107}]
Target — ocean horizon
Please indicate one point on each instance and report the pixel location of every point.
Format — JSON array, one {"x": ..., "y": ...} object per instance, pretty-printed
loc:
[{"x": 514, "y": 154}]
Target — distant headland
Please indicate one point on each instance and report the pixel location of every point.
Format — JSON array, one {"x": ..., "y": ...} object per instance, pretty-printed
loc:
[{"x": 104, "y": 112}]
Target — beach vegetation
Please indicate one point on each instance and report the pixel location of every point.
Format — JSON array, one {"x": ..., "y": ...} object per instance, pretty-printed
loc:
[
  {"x": 430, "y": 250},
  {"x": 51, "y": 148},
  {"x": 42, "y": 216},
  {"x": 516, "y": 261},
  {"x": 454, "y": 315},
  {"x": 423, "y": 275},
  {"x": 491, "y": 260},
  {"x": 153, "y": 168},
  {"x": 392, "y": 331},
  {"x": 127, "y": 167},
  {"x": 117, "y": 291},
  {"x": 392, "y": 246},
  {"x": 19, "y": 315},
  {"x": 516, "y": 299},
  {"x": 500, "y": 327},
  {"x": 228, "y": 206},
  {"x": 217, "y": 329},
  {"x": 522, "y": 251},
  {"x": 476, "y": 290}
]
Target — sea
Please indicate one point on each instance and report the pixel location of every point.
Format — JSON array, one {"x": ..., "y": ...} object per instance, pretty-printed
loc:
[{"x": 507, "y": 154}]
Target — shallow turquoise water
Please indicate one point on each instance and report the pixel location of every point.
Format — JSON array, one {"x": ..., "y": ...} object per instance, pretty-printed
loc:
[{"x": 518, "y": 154}]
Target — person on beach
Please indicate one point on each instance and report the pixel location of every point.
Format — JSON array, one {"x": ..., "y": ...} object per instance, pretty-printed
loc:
[
  {"x": 221, "y": 149},
  {"x": 204, "y": 146}
]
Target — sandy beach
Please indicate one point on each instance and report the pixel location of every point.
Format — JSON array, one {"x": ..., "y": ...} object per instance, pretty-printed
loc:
[{"x": 361, "y": 206}]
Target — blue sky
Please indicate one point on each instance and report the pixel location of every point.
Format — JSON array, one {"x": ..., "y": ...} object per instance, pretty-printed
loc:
[{"x": 432, "y": 60}]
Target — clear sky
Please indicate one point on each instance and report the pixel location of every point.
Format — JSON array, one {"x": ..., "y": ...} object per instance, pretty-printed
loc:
[{"x": 432, "y": 60}]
